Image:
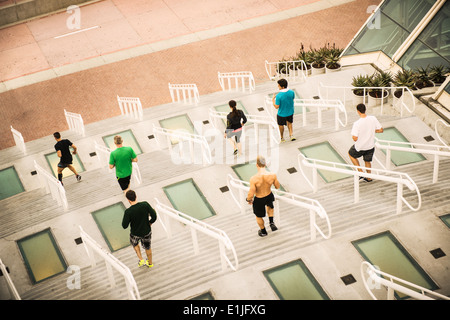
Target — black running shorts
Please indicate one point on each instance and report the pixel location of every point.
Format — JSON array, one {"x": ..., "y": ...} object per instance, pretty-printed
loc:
[{"x": 259, "y": 205}]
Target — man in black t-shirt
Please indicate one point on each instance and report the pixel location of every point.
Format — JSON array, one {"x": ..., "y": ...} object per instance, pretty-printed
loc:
[
  {"x": 137, "y": 216},
  {"x": 63, "y": 152}
]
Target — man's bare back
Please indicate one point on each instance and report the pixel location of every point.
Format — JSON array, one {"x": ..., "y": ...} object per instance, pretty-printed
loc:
[{"x": 263, "y": 182}]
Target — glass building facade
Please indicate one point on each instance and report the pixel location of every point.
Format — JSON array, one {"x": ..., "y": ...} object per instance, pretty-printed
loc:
[{"x": 394, "y": 21}]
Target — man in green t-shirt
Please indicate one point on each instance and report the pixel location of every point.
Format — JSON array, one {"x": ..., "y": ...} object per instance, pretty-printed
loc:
[
  {"x": 137, "y": 216},
  {"x": 122, "y": 158}
]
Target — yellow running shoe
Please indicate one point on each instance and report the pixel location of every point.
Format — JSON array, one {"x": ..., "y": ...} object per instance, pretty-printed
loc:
[
  {"x": 147, "y": 264},
  {"x": 142, "y": 263}
]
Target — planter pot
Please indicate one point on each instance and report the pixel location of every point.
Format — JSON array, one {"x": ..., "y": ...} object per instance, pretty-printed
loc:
[
  {"x": 329, "y": 70},
  {"x": 375, "y": 101},
  {"x": 422, "y": 90},
  {"x": 357, "y": 99},
  {"x": 317, "y": 70}
]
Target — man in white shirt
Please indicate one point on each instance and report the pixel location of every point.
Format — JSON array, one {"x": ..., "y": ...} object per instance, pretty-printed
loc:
[{"x": 363, "y": 133}]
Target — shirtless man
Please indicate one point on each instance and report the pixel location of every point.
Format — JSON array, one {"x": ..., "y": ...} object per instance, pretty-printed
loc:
[{"x": 260, "y": 189}]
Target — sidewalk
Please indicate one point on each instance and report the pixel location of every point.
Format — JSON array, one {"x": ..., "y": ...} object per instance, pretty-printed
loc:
[{"x": 154, "y": 44}]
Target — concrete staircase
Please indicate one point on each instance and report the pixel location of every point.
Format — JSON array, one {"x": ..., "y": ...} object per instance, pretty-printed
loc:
[{"x": 177, "y": 269}]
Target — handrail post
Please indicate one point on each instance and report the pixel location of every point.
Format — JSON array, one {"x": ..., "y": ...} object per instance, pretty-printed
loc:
[
  {"x": 388, "y": 159},
  {"x": 436, "y": 168},
  {"x": 314, "y": 177},
  {"x": 399, "y": 197},
  {"x": 356, "y": 187},
  {"x": 242, "y": 200},
  {"x": 390, "y": 293},
  {"x": 312, "y": 222},
  {"x": 223, "y": 263},
  {"x": 194, "y": 241},
  {"x": 110, "y": 274}
]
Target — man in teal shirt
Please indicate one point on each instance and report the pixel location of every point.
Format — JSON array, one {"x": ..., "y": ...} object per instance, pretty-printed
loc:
[
  {"x": 137, "y": 216},
  {"x": 122, "y": 158},
  {"x": 284, "y": 102}
]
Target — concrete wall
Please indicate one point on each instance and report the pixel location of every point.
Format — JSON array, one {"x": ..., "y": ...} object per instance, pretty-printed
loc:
[{"x": 24, "y": 10}]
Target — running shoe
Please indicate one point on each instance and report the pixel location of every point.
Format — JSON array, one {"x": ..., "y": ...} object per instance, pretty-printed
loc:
[
  {"x": 293, "y": 138},
  {"x": 78, "y": 178},
  {"x": 148, "y": 265},
  {"x": 262, "y": 234},
  {"x": 273, "y": 227},
  {"x": 142, "y": 263}
]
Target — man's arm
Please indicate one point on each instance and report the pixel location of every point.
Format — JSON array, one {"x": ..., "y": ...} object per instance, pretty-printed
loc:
[
  {"x": 111, "y": 161},
  {"x": 125, "y": 220},
  {"x": 276, "y": 183},
  {"x": 379, "y": 130},
  {"x": 74, "y": 149},
  {"x": 274, "y": 101},
  {"x": 59, "y": 153},
  {"x": 354, "y": 138},
  {"x": 152, "y": 214},
  {"x": 134, "y": 160},
  {"x": 252, "y": 191}
]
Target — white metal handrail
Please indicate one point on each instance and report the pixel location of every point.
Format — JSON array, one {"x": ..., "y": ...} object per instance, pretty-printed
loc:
[
  {"x": 52, "y": 185},
  {"x": 197, "y": 225},
  {"x": 395, "y": 284},
  {"x": 131, "y": 107},
  {"x": 18, "y": 139},
  {"x": 436, "y": 129},
  {"x": 189, "y": 93},
  {"x": 240, "y": 79},
  {"x": 292, "y": 74},
  {"x": 400, "y": 178},
  {"x": 344, "y": 92},
  {"x": 256, "y": 120},
  {"x": 11, "y": 287},
  {"x": 92, "y": 246},
  {"x": 183, "y": 136},
  {"x": 314, "y": 206},
  {"x": 318, "y": 104},
  {"x": 103, "y": 154},
  {"x": 75, "y": 122},
  {"x": 437, "y": 151}
]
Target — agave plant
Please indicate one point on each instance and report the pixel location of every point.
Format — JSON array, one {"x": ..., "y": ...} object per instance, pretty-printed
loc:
[
  {"x": 318, "y": 57},
  {"x": 283, "y": 66},
  {"x": 437, "y": 74},
  {"x": 403, "y": 78},
  {"x": 386, "y": 78},
  {"x": 360, "y": 81},
  {"x": 332, "y": 55},
  {"x": 306, "y": 56},
  {"x": 377, "y": 80},
  {"x": 422, "y": 76}
]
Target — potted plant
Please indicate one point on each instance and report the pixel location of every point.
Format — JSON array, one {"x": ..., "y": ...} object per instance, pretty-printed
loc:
[
  {"x": 423, "y": 81},
  {"x": 283, "y": 67},
  {"x": 359, "y": 94},
  {"x": 438, "y": 74},
  {"x": 306, "y": 56},
  {"x": 403, "y": 78},
  {"x": 332, "y": 59},
  {"x": 377, "y": 94},
  {"x": 318, "y": 61}
]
